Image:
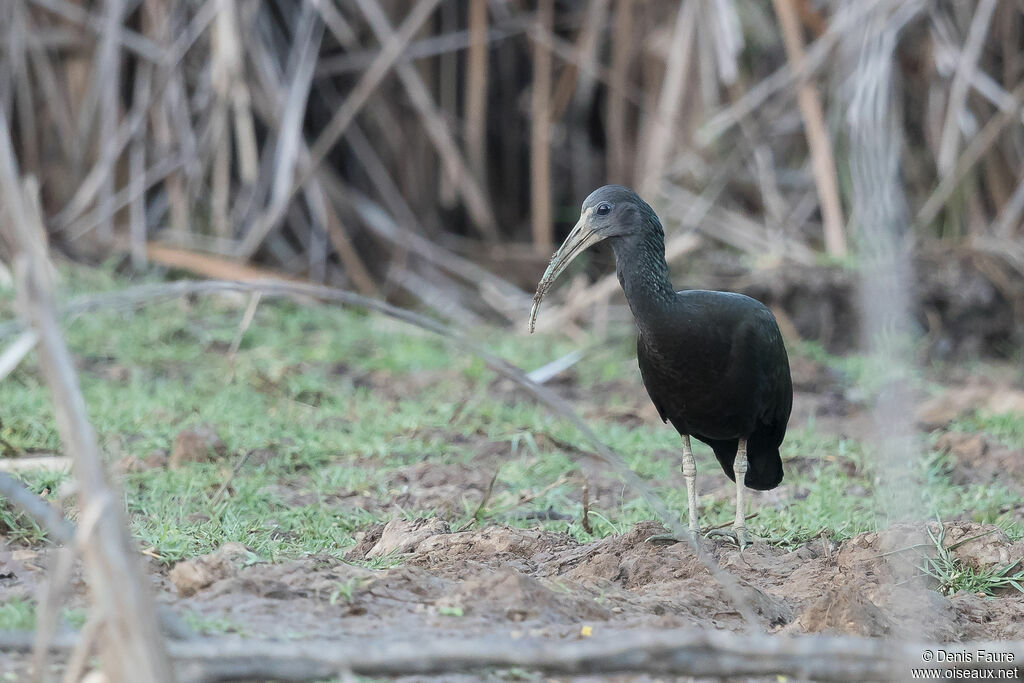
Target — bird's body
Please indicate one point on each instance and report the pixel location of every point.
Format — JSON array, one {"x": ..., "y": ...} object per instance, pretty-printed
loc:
[
  {"x": 713, "y": 363},
  {"x": 715, "y": 367}
]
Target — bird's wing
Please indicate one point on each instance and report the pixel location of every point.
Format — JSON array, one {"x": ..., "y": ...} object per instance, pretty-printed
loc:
[
  {"x": 649, "y": 376},
  {"x": 779, "y": 379}
]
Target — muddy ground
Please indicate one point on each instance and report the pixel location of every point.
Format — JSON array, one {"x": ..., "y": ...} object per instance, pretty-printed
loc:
[
  {"x": 514, "y": 582},
  {"x": 517, "y": 582}
]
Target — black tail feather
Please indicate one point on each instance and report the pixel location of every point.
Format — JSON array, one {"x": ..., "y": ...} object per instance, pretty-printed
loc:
[{"x": 764, "y": 471}]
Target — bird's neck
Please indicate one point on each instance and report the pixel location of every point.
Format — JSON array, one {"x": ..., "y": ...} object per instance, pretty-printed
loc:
[{"x": 643, "y": 273}]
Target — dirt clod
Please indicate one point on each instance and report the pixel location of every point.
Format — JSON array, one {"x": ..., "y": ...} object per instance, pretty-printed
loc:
[
  {"x": 983, "y": 545},
  {"x": 196, "y": 444},
  {"x": 961, "y": 401},
  {"x": 191, "y": 576},
  {"x": 155, "y": 459},
  {"x": 979, "y": 459},
  {"x": 847, "y": 611},
  {"x": 403, "y": 536},
  {"x": 508, "y": 594}
]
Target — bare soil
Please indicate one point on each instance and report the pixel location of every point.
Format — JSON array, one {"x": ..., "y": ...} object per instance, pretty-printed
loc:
[{"x": 515, "y": 582}]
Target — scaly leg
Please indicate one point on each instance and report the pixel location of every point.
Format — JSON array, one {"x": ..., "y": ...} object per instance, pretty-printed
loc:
[
  {"x": 690, "y": 475},
  {"x": 739, "y": 468},
  {"x": 739, "y": 527},
  {"x": 689, "y": 469}
]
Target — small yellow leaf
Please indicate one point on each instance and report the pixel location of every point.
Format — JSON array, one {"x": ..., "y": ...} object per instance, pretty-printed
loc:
[{"x": 587, "y": 631}]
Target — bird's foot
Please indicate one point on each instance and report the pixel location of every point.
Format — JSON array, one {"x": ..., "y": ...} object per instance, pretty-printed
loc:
[
  {"x": 671, "y": 539},
  {"x": 737, "y": 534}
]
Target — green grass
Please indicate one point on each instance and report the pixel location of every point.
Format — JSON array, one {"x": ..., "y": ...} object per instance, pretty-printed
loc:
[
  {"x": 18, "y": 614},
  {"x": 17, "y": 526},
  {"x": 954, "y": 575},
  {"x": 329, "y": 401},
  {"x": 212, "y": 626},
  {"x": 1007, "y": 427}
]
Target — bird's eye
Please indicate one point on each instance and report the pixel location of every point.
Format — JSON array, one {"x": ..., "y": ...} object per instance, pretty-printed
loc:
[{"x": 604, "y": 209}]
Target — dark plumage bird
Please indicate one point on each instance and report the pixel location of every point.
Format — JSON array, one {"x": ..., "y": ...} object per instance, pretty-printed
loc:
[{"x": 713, "y": 363}]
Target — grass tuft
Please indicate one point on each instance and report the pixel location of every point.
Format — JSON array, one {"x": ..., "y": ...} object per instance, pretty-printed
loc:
[{"x": 955, "y": 575}]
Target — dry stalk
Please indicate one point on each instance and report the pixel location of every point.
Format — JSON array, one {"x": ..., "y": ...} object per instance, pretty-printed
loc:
[
  {"x": 965, "y": 68},
  {"x": 540, "y": 133},
  {"x": 818, "y": 139},
  {"x": 619, "y": 166},
  {"x": 198, "y": 70},
  {"x": 473, "y": 194},
  {"x": 132, "y": 648},
  {"x": 390, "y": 53},
  {"x": 587, "y": 42},
  {"x": 437, "y": 130},
  {"x": 786, "y": 76},
  {"x": 130, "y": 40},
  {"x": 476, "y": 90},
  {"x": 137, "y": 168},
  {"x": 974, "y": 151},
  {"x": 659, "y": 135}
]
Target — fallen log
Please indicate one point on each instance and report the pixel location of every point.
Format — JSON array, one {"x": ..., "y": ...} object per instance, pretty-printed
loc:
[{"x": 712, "y": 654}]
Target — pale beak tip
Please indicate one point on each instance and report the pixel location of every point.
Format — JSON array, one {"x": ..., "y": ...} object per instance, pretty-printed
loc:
[{"x": 533, "y": 315}]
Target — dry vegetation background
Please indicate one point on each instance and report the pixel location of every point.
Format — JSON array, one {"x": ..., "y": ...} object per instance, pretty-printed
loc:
[
  {"x": 856, "y": 165},
  {"x": 434, "y": 152}
]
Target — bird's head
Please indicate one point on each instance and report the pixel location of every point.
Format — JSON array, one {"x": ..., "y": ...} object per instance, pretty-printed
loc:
[{"x": 612, "y": 212}]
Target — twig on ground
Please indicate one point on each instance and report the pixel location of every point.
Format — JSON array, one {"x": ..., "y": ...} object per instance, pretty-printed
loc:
[
  {"x": 215, "y": 501},
  {"x": 50, "y": 463},
  {"x": 585, "y": 515},
  {"x": 247, "y": 317},
  {"x": 483, "y": 502},
  {"x": 16, "y": 352},
  {"x": 41, "y": 512},
  {"x": 550, "y": 370},
  {"x": 752, "y": 515}
]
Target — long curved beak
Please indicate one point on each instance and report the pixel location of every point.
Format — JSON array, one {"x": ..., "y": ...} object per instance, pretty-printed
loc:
[{"x": 578, "y": 241}]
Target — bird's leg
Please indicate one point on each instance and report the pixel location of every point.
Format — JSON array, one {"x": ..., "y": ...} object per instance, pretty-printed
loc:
[
  {"x": 689, "y": 469},
  {"x": 739, "y": 468},
  {"x": 690, "y": 475},
  {"x": 739, "y": 527}
]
